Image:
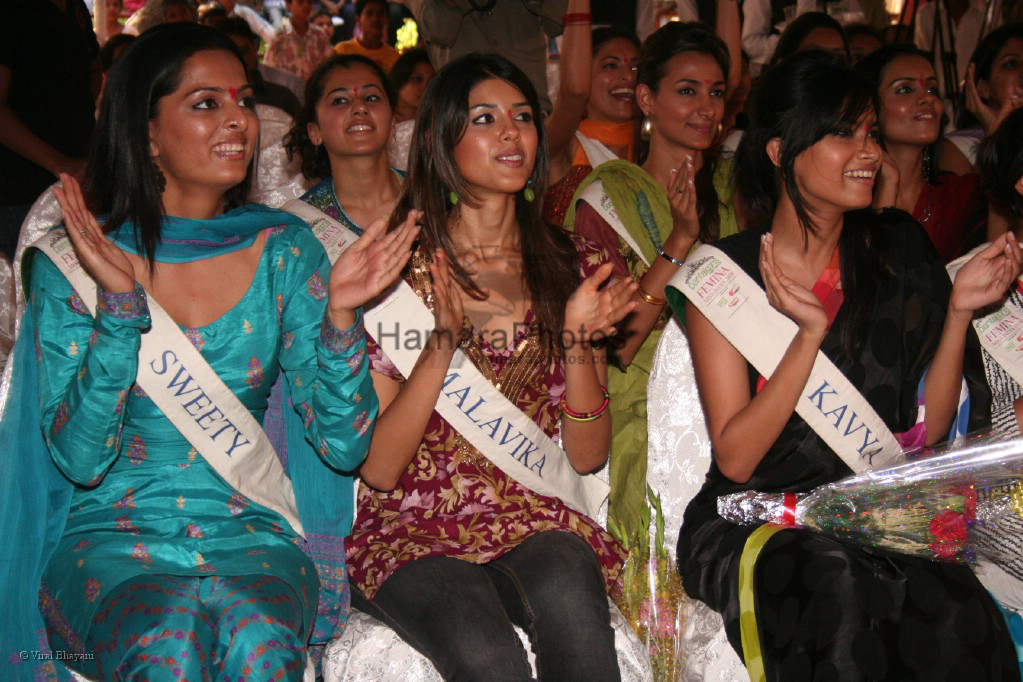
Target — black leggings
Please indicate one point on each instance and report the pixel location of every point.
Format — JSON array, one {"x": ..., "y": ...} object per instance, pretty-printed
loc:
[{"x": 460, "y": 615}]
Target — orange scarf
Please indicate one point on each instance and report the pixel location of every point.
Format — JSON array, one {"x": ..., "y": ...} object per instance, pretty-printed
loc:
[{"x": 614, "y": 135}]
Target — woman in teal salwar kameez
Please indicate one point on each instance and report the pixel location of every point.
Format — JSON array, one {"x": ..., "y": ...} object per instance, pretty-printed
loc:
[{"x": 152, "y": 565}]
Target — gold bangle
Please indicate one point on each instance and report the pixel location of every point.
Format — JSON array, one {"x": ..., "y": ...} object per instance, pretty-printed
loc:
[{"x": 652, "y": 300}]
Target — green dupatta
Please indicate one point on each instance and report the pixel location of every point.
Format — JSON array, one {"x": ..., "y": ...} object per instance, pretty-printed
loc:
[{"x": 643, "y": 207}]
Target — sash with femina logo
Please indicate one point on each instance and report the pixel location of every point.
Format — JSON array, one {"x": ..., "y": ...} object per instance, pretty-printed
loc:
[
  {"x": 739, "y": 309},
  {"x": 188, "y": 391},
  {"x": 1001, "y": 329},
  {"x": 470, "y": 403}
]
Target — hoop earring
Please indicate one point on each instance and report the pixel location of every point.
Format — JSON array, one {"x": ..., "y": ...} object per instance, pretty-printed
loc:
[
  {"x": 161, "y": 179},
  {"x": 646, "y": 129},
  {"x": 528, "y": 194}
]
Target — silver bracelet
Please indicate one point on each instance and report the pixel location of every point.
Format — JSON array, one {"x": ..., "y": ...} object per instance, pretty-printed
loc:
[{"x": 673, "y": 261}]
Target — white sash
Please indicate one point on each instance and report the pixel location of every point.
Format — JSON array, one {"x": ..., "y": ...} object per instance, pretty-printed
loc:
[
  {"x": 470, "y": 403},
  {"x": 595, "y": 196},
  {"x": 829, "y": 403},
  {"x": 178, "y": 379},
  {"x": 1001, "y": 330},
  {"x": 596, "y": 151}
]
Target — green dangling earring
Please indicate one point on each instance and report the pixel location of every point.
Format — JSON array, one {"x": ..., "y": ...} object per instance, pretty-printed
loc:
[
  {"x": 453, "y": 198},
  {"x": 528, "y": 194}
]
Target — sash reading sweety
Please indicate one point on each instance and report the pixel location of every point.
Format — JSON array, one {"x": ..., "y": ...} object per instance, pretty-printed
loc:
[
  {"x": 739, "y": 309},
  {"x": 1000, "y": 331},
  {"x": 188, "y": 391},
  {"x": 470, "y": 403}
]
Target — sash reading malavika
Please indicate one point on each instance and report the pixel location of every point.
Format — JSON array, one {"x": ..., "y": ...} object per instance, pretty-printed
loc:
[
  {"x": 472, "y": 405},
  {"x": 193, "y": 397},
  {"x": 829, "y": 403},
  {"x": 1001, "y": 330}
]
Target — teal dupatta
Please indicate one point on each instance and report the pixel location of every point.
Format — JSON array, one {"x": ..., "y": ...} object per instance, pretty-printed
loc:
[{"x": 35, "y": 497}]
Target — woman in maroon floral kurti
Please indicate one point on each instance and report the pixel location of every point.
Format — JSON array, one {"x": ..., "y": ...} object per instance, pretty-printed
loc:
[{"x": 448, "y": 549}]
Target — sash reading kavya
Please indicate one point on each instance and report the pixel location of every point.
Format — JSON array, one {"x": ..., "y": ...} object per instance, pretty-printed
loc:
[
  {"x": 1000, "y": 331},
  {"x": 197, "y": 402},
  {"x": 829, "y": 403},
  {"x": 467, "y": 401}
]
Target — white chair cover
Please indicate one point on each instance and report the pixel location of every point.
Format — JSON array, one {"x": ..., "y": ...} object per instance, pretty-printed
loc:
[{"x": 678, "y": 459}]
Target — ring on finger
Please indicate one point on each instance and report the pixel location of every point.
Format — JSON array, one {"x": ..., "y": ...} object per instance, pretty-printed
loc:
[{"x": 679, "y": 190}]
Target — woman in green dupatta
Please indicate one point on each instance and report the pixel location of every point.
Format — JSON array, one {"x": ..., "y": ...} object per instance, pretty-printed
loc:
[{"x": 661, "y": 209}]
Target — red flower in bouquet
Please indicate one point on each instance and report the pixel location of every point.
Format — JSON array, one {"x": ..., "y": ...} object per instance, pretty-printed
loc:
[{"x": 949, "y": 531}]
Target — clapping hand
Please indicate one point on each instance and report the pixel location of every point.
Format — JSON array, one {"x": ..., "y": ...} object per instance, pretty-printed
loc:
[
  {"x": 591, "y": 313},
  {"x": 788, "y": 296},
  {"x": 369, "y": 266},
  {"x": 986, "y": 276},
  {"x": 989, "y": 117},
  {"x": 682, "y": 197},
  {"x": 100, "y": 257},
  {"x": 886, "y": 192}
]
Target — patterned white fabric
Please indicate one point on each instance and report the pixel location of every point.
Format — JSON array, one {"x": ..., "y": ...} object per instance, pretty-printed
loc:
[
  {"x": 277, "y": 180},
  {"x": 369, "y": 651},
  {"x": 399, "y": 143},
  {"x": 678, "y": 459}
]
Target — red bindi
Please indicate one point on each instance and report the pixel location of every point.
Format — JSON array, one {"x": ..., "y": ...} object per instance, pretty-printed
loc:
[
  {"x": 923, "y": 83},
  {"x": 233, "y": 93},
  {"x": 356, "y": 90}
]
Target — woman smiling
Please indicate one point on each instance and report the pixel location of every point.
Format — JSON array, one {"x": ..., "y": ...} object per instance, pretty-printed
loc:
[
  {"x": 844, "y": 280},
  {"x": 152, "y": 399},
  {"x": 456, "y": 541}
]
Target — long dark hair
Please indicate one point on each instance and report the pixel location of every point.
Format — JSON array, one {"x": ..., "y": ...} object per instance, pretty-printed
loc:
[
  {"x": 315, "y": 161},
  {"x": 873, "y": 65},
  {"x": 121, "y": 176},
  {"x": 672, "y": 39},
  {"x": 1000, "y": 161},
  {"x": 606, "y": 34},
  {"x": 551, "y": 266},
  {"x": 799, "y": 28},
  {"x": 799, "y": 101},
  {"x": 983, "y": 59},
  {"x": 401, "y": 72}
]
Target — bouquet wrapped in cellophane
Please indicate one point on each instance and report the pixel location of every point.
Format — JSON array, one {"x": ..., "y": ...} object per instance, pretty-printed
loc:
[
  {"x": 961, "y": 504},
  {"x": 652, "y": 597}
]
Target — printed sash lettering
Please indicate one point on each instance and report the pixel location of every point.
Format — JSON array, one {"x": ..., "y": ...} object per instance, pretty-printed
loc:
[
  {"x": 1001, "y": 330},
  {"x": 191, "y": 395},
  {"x": 830, "y": 404},
  {"x": 470, "y": 403}
]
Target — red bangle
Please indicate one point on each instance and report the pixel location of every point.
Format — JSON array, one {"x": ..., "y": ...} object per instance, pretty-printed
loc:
[
  {"x": 586, "y": 416},
  {"x": 576, "y": 18}
]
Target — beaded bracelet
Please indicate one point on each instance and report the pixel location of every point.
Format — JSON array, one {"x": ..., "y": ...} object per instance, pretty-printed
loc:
[
  {"x": 576, "y": 18},
  {"x": 673, "y": 261},
  {"x": 586, "y": 416},
  {"x": 650, "y": 298}
]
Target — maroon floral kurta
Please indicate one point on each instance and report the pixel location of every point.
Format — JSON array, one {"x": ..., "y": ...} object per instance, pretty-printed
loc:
[{"x": 452, "y": 501}]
